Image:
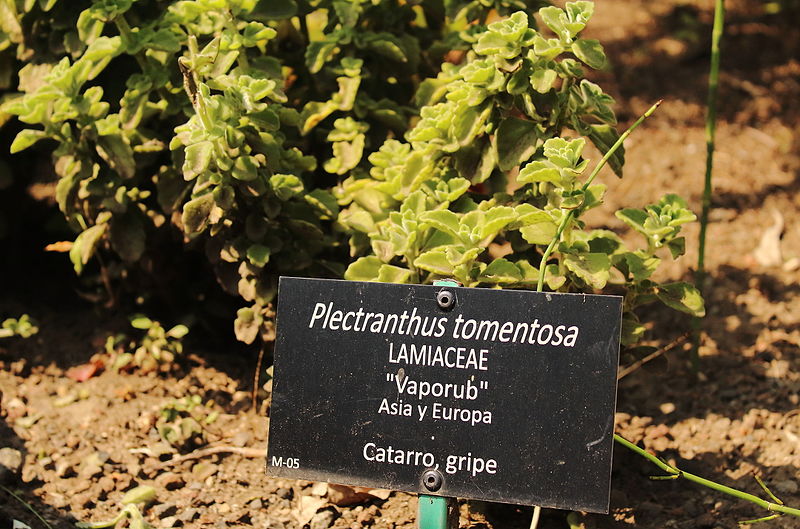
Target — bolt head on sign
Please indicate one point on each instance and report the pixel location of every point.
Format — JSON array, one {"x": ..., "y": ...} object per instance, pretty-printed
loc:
[{"x": 508, "y": 394}]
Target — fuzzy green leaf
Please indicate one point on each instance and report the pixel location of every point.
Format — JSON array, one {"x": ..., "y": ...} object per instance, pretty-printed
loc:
[
  {"x": 25, "y": 139},
  {"x": 539, "y": 232},
  {"x": 590, "y": 51},
  {"x": 364, "y": 269},
  {"x": 592, "y": 268},
  {"x": 542, "y": 79},
  {"x": 604, "y": 241},
  {"x": 394, "y": 274},
  {"x": 386, "y": 44},
  {"x": 258, "y": 255},
  {"x": 529, "y": 274},
  {"x": 347, "y": 12},
  {"x": 269, "y": 10},
  {"x": 496, "y": 219},
  {"x": 178, "y": 332},
  {"x": 314, "y": 112},
  {"x": 140, "y": 494},
  {"x": 553, "y": 277},
  {"x": 635, "y": 218},
  {"x": 89, "y": 26},
  {"x": 323, "y": 202},
  {"x": 128, "y": 236},
  {"x": 640, "y": 265},
  {"x": 434, "y": 261},
  {"x": 85, "y": 245},
  {"x": 247, "y": 324},
  {"x": 476, "y": 162},
  {"x": 103, "y": 48},
  {"x": 604, "y": 137},
  {"x": 196, "y": 213},
  {"x": 318, "y": 53},
  {"x": 443, "y": 220},
  {"x": 593, "y": 196},
  {"x": 467, "y": 124},
  {"x": 348, "y": 90},
  {"x": 286, "y": 186},
  {"x": 677, "y": 247},
  {"x": 116, "y": 150},
  {"x": 140, "y": 321},
  {"x": 683, "y": 297},
  {"x": 632, "y": 330},
  {"x": 517, "y": 140},
  {"x": 245, "y": 168},
  {"x": 198, "y": 157},
  {"x": 500, "y": 271},
  {"x": 567, "y": 23},
  {"x": 346, "y": 155},
  {"x": 539, "y": 171}
]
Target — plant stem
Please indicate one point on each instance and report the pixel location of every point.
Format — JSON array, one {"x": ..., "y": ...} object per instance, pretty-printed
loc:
[
  {"x": 618, "y": 143},
  {"x": 546, "y": 255},
  {"x": 125, "y": 32},
  {"x": 28, "y": 506},
  {"x": 537, "y": 512},
  {"x": 711, "y": 131},
  {"x": 623, "y": 372},
  {"x": 678, "y": 473},
  {"x": 569, "y": 216},
  {"x": 257, "y": 377}
]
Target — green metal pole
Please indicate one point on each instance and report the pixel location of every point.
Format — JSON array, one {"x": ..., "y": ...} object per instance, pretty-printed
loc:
[
  {"x": 438, "y": 512},
  {"x": 432, "y": 512}
]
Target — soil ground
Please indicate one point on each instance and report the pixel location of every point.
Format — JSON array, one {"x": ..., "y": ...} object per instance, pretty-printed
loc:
[{"x": 85, "y": 443}]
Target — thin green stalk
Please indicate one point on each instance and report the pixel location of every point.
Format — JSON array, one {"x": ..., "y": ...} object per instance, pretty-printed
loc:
[
  {"x": 758, "y": 520},
  {"x": 678, "y": 473},
  {"x": 569, "y": 216},
  {"x": 711, "y": 131},
  {"x": 126, "y": 33},
  {"x": 28, "y": 506}
]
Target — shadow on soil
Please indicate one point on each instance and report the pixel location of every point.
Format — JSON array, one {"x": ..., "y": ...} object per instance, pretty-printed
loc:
[
  {"x": 737, "y": 375},
  {"x": 671, "y": 61},
  {"x": 12, "y": 508},
  {"x": 744, "y": 201}
]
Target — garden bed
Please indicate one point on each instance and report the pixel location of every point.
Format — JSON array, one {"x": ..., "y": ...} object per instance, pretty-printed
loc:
[{"x": 85, "y": 443}]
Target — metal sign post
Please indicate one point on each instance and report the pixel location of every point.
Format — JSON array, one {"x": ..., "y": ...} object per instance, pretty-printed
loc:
[{"x": 437, "y": 512}]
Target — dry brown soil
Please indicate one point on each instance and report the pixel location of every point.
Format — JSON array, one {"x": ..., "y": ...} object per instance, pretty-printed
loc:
[{"x": 84, "y": 444}]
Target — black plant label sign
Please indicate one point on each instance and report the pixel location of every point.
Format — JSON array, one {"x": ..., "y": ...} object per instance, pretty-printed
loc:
[{"x": 497, "y": 395}]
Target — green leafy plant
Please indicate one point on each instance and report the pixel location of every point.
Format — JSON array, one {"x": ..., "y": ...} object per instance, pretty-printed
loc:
[
  {"x": 181, "y": 421},
  {"x": 132, "y": 501},
  {"x": 157, "y": 349},
  {"x": 490, "y": 163},
  {"x": 223, "y": 122},
  {"x": 24, "y": 327},
  {"x": 420, "y": 140}
]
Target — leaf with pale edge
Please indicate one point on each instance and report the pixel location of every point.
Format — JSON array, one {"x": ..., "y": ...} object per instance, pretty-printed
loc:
[{"x": 683, "y": 297}]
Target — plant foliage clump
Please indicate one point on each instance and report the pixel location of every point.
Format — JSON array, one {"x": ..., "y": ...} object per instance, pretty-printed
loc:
[
  {"x": 24, "y": 327},
  {"x": 382, "y": 140}
]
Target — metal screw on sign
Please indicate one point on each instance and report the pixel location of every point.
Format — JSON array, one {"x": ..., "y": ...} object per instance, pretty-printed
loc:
[
  {"x": 438, "y": 512},
  {"x": 445, "y": 299},
  {"x": 432, "y": 479}
]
